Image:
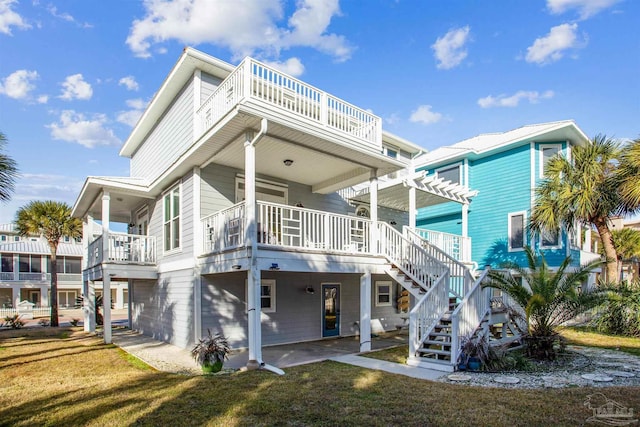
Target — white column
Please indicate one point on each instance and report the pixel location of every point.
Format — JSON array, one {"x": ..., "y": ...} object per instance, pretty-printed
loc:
[
  {"x": 373, "y": 210},
  {"x": 587, "y": 239},
  {"x": 44, "y": 295},
  {"x": 412, "y": 207},
  {"x": 119, "y": 303},
  {"x": 197, "y": 305},
  {"x": 106, "y": 279},
  {"x": 365, "y": 312},
  {"x": 89, "y": 298},
  {"x": 106, "y": 309},
  {"x": 15, "y": 294},
  {"x": 253, "y": 273},
  {"x": 198, "y": 246},
  {"x": 466, "y": 247}
]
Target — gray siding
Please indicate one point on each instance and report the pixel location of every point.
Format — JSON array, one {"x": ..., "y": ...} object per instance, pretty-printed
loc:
[
  {"x": 298, "y": 315},
  {"x": 217, "y": 188},
  {"x": 164, "y": 309},
  {"x": 209, "y": 85},
  {"x": 168, "y": 139}
]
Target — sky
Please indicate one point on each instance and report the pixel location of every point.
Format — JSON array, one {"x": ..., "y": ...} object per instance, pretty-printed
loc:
[{"x": 75, "y": 75}]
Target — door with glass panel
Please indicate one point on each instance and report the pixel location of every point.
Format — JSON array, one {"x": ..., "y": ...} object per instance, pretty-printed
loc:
[{"x": 330, "y": 309}]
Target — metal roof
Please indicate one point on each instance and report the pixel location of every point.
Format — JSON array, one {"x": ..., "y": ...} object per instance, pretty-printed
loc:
[{"x": 41, "y": 248}]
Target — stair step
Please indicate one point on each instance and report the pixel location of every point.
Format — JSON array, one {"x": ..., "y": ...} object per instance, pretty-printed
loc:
[
  {"x": 441, "y": 326},
  {"x": 437, "y": 342},
  {"x": 440, "y": 334},
  {"x": 425, "y": 351}
]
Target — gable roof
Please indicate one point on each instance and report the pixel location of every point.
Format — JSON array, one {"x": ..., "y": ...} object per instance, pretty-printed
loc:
[{"x": 488, "y": 143}]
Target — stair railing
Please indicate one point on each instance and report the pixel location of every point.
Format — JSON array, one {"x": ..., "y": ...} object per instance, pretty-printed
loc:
[
  {"x": 427, "y": 313},
  {"x": 428, "y": 272},
  {"x": 461, "y": 278},
  {"x": 468, "y": 316},
  {"x": 411, "y": 259}
]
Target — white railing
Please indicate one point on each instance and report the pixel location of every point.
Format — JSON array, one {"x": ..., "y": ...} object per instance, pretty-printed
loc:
[
  {"x": 289, "y": 227},
  {"x": 255, "y": 80},
  {"x": 461, "y": 279},
  {"x": 123, "y": 247},
  {"x": 427, "y": 313},
  {"x": 410, "y": 258},
  {"x": 132, "y": 248},
  {"x": 7, "y": 276},
  {"x": 69, "y": 277},
  {"x": 466, "y": 318},
  {"x": 35, "y": 277},
  {"x": 224, "y": 229},
  {"x": 37, "y": 312},
  {"x": 458, "y": 247}
]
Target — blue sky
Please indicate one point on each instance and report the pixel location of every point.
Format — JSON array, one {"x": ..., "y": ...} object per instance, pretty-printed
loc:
[{"x": 75, "y": 75}]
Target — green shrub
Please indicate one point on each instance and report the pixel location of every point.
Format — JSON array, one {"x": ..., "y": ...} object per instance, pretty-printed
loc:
[{"x": 620, "y": 313}]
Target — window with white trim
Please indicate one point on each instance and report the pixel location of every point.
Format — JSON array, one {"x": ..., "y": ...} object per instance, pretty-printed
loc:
[
  {"x": 516, "y": 231},
  {"x": 549, "y": 239},
  {"x": 547, "y": 152},
  {"x": 383, "y": 293},
  {"x": 268, "y": 295},
  {"x": 171, "y": 201},
  {"x": 451, "y": 173}
]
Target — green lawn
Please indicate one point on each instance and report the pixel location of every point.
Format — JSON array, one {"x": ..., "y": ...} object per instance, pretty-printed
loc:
[
  {"x": 589, "y": 337},
  {"x": 53, "y": 378}
]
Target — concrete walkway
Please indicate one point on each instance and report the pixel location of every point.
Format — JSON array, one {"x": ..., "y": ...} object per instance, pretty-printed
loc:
[{"x": 169, "y": 358}]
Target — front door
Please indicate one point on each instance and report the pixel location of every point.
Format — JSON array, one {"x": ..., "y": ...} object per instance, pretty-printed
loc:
[
  {"x": 34, "y": 297},
  {"x": 331, "y": 310}
]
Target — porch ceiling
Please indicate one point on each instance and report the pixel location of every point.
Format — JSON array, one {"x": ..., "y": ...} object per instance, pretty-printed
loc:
[
  {"x": 323, "y": 164},
  {"x": 429, "y": 191},
  {"x": 125, "y": 195}
]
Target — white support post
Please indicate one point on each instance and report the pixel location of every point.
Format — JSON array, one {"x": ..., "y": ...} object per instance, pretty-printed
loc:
[
  {"x": 15, "y": 294},
  {"x": 198, "y": 248},
  {"x": 197, "y": 306},
  {"x": 253, "y": 273},
  {"x": 106, "y": 310},
  {"x": 373, "y": 210},
  {"x": 88, "y": 300},
  {"x": 365, "y": 312},
  {"x": 412, "y": 207},
  {"x": 105, "y": 226},
  {"x": 465, "y": 220},
  {"x": 587, "y": 239},
  {"x": 119, "y": 302}
]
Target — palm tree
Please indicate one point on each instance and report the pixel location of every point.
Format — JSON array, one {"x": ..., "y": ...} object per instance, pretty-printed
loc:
[
  {"x": 629, "y": 175},
  {"x": 8, "y": 172},
  {"x": 583, "y": 189},
  {"x": 549, "y": 298},
  {"x": 53, "y": 221},
  {"x": 627, "y": 243}
]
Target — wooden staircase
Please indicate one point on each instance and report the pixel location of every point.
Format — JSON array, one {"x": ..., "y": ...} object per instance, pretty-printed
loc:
[{"x": 436, "y": 349}]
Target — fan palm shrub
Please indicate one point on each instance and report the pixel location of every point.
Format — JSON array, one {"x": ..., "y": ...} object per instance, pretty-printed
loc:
[
  {"x": 549, "y": 298},
  {"x": 620, "y": 313}
]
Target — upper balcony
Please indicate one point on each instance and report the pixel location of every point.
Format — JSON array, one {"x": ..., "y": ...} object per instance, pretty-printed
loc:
[
  {"x": 121, "y": 248},
  {"x": 257, "y": 85}
]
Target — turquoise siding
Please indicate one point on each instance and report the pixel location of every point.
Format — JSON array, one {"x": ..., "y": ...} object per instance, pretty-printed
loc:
[{"x": 446, "y": 218}]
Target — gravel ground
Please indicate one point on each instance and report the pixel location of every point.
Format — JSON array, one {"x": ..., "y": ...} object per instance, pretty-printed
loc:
[{"x": 588, "y": 367}]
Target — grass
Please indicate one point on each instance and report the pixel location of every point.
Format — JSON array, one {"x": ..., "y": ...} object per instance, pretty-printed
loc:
[
  {"x": 49, "y": 380},
  {"x": 590, "y": 337}
]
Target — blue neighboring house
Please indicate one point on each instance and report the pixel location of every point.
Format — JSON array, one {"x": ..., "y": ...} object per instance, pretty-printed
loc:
[{"x": 504, "y": 168}]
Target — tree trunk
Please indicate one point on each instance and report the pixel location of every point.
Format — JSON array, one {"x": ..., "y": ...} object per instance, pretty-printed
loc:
[
  {"x": 609, "y": 249},
  {"x": 54, "y": 286}
]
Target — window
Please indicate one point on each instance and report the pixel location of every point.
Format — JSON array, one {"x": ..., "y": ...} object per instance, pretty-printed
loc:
[
  {"x": 30, "y": 263},
  {"x": 7, "y": 263},
  {"x": 450, "y": 173},
  {"x": 516, "y": 231},
  {"x": 172, "y": 219},
  {"x": 383, "y": 293},
  {"x": 267, "y": 295},
  {"x": 3, "y": 238},
  {"x": 550, "y": 238},
  {"x": 547, "y": 152},
  {"x": 66, "y": 265}
]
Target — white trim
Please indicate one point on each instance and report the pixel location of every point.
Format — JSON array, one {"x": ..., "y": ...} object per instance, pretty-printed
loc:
[
  {"x": 271, "y": 185},
  {"x": 378, "y": 284},
  {"x": 451, "y": 166},
  {"x": 169, "y": 193},
  {"x": 524, "y": 234},
  {"x": 532, "y": 160},
  {"x": 541, "y": 148},
  {"x": 272, "y": 297},
  {"x": 465, "y": 170},
  {"x": 558, "y": 245}
]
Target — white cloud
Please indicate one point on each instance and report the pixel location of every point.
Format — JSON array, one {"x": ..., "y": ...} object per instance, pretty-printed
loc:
[
  {"x": 10, "y": 18},
  {"x": 424, "y": 115},
  {"x": 551, "y": 47},
  {"x": 75, "y": 127},
  {"x": 132, "y": 116},
  {"x": 585, "y": 8},
  {"x": 43, "y": 99},
  {"x": 291, "y": 66},
  {"x": 129, "y": 82},
  {"x": 19, "y": 84},
  {"x": 450, "y": 49},
  {"x": 66, "y": 16},
  {"x": 393, "y": 119},
  {"x": 243, "y": 26},
  {"x": 513, "y": 100},
  {"x": 74, "y": 87}
]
